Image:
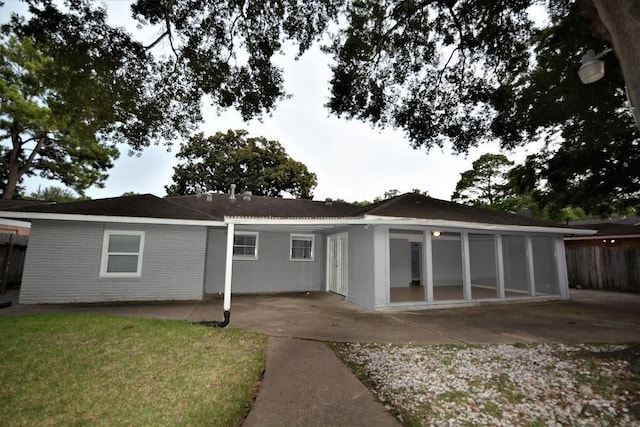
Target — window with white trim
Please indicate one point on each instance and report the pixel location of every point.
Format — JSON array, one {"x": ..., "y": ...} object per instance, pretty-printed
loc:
[
  {"x": 302, "y": 246},
  {"x": 122, "y": 253},
  {"x": 245, "y": 245}
]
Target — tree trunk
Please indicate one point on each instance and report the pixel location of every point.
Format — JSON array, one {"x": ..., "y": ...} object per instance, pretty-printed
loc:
[
  {"x": 622, "y": 19},
  {"x": 14, "y": 168}
]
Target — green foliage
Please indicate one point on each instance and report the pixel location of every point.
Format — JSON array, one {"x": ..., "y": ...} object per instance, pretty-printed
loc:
[
  {"x": 72, "y": 88},
  {"x": 456, "y": 73},
  {"x": 225, "y": 48},
  {"x": 429, "y": 68},
  {"x": 486, "y": 184},
  {"x": 212, "y": 164},
  {"x": 56, "y": 194},
  {"x": 590, "y": 157}
]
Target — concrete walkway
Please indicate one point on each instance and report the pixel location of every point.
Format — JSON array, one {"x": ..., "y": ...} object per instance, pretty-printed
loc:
[{"x": 306, "y": 384}]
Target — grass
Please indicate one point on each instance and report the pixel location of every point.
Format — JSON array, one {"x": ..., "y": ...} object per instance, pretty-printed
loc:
[{"x": 106, "y": 370}]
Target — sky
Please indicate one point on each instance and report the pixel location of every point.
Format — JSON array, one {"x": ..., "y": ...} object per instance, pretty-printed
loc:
[{"x": 352, "y": 160}]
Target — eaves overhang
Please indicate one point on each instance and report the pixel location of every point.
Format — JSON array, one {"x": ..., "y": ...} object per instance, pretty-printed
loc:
[
  {"x": 397, "y": 221},
  {"x": 110, "y": 219}
]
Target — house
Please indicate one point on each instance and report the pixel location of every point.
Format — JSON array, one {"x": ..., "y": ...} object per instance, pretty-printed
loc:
[
  {"x": 12, "y": 226},
  {"x": 407, "y": 251},
  {"x": 609, "y": 259}
]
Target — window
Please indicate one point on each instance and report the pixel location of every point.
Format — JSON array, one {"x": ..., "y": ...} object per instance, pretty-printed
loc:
[
  {"x": 302, "y": 247},
  {"x": 245, "y": 245},
  {"x": 122, "y": 253}
]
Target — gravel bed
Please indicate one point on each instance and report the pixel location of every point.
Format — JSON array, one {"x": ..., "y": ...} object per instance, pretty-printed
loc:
[{"x": 503, "y": 385}]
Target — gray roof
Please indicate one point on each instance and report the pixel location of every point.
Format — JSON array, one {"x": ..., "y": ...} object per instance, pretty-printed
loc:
[
  {"x": 623, "y": 220},
  {"x": 137, "y": 206},
  {"x": 15, "y": 204},
  {"x": 215, "y": 207},
  {"x": 414, "y": 205},
  {"x": 612, "y": 229},
  {"x": 221, "y": 205}
]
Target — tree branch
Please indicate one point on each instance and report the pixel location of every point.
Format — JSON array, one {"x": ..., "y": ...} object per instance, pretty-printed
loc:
[
  {"x": 167, "y": 33},
  {"x": 27, "y": 164}
]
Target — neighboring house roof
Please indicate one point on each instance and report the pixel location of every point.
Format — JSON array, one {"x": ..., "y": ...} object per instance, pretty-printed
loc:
[
  {"x": 143, "y": 206},
  {"x": 623, "y": 220},
  {"x": 607, "y": 230},
  {"x": 221, "y": 205}
]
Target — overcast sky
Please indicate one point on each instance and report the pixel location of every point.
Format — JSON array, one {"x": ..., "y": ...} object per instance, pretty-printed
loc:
[{"x": 352, "y": 160}]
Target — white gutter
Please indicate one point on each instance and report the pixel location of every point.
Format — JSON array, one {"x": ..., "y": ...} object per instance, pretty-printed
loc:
[
  {"x": 108, "y": 218},
  {"x": 379, "y": 220},
  {"x": 605, "y": 236},
  {"x": 228, "y": 272}
]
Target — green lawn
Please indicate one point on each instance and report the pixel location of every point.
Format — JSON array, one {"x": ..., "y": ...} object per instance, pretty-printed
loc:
[{"x": 107, "y": 370}]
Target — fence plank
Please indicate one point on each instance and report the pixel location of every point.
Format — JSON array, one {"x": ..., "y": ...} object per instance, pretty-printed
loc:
[
  {"x": 13, "y": 249},
  {"x": 604, "y": 267}
]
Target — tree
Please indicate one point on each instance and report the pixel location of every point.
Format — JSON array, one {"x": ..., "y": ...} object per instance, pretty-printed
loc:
[
  {"x": 56, "y": 194},
  {"x": 43, "y": 135},
  {"x": 72, "y": 88},
  {"x": 486, "y": 184},
  {"x": 212, "y": 164},
  {"x": 458, "y": 72}
]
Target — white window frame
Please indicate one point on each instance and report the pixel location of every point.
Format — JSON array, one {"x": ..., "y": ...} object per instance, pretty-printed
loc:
[
  {"x": 246, "y": 233},
  {"x": 306, "y": 237},
  {"x": 105, "y": 253}
]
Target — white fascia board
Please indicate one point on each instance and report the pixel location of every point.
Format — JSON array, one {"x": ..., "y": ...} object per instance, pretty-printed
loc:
[
  {"x": 110, "y": 219},
  {"x": 292, "y": 221},
  {"x": 480, "y": 225},
  {"x": 375, "y": 220},
  {"x": 15, "y": 223}
]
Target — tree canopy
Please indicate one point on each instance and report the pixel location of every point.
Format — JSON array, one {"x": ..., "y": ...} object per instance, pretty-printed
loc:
[
  {"x": 72, "y": 88},
  {"x": 256, "y": 164},
  {"x": 495, "y": 182},
  {"x": 448, "y": 72},
  {"x": 455, "y": 73},
  {"x": 486, "y": 184},
  {"x": 55, "y": 194}
]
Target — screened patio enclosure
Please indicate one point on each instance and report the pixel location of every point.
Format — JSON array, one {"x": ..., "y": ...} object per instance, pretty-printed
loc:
[{"x": 435, "y": 265}]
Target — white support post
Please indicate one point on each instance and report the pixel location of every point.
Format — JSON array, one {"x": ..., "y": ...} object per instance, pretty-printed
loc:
[
  {"x": 466, "y": 267},
  {"x": 531, "y": 278},
  {"x": 427, "y": 264},
  {"x": 228, "y": 271},
  {"x": 561, "y": 268},
  {"x": 500, "y": 265}
]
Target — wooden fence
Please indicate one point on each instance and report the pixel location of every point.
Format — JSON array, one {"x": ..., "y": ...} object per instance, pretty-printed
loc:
[
  {"x": 12, "y": 252},
  {"x": 611, "y": 268}
]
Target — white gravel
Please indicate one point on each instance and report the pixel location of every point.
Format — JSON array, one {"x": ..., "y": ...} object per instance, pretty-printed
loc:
[{"x": 501, "y": 385}]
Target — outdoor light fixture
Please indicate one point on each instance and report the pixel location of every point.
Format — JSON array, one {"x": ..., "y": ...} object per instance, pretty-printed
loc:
[
  {"x": 435, "y": 233},
  {"x": 592, "y": 68}
]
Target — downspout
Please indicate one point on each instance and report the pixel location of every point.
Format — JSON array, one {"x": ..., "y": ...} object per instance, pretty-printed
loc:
[{"x": 226, "y": 306}]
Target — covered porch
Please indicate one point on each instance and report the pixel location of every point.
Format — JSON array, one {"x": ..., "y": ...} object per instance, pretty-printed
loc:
[{"x": 431, "y": 265}]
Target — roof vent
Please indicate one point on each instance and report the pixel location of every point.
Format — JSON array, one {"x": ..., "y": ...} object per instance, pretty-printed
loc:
[
  {"x": 198, "y": 191},
  {"x": 328, "y": 201},
  {"x": 232, "y": 196},
  {"x": 246, "y": 196},
  {"x": 209, "y": 197}
]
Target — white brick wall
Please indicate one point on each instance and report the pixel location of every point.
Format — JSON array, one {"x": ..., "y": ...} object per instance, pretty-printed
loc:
[{"x": 63, "y": 264}]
